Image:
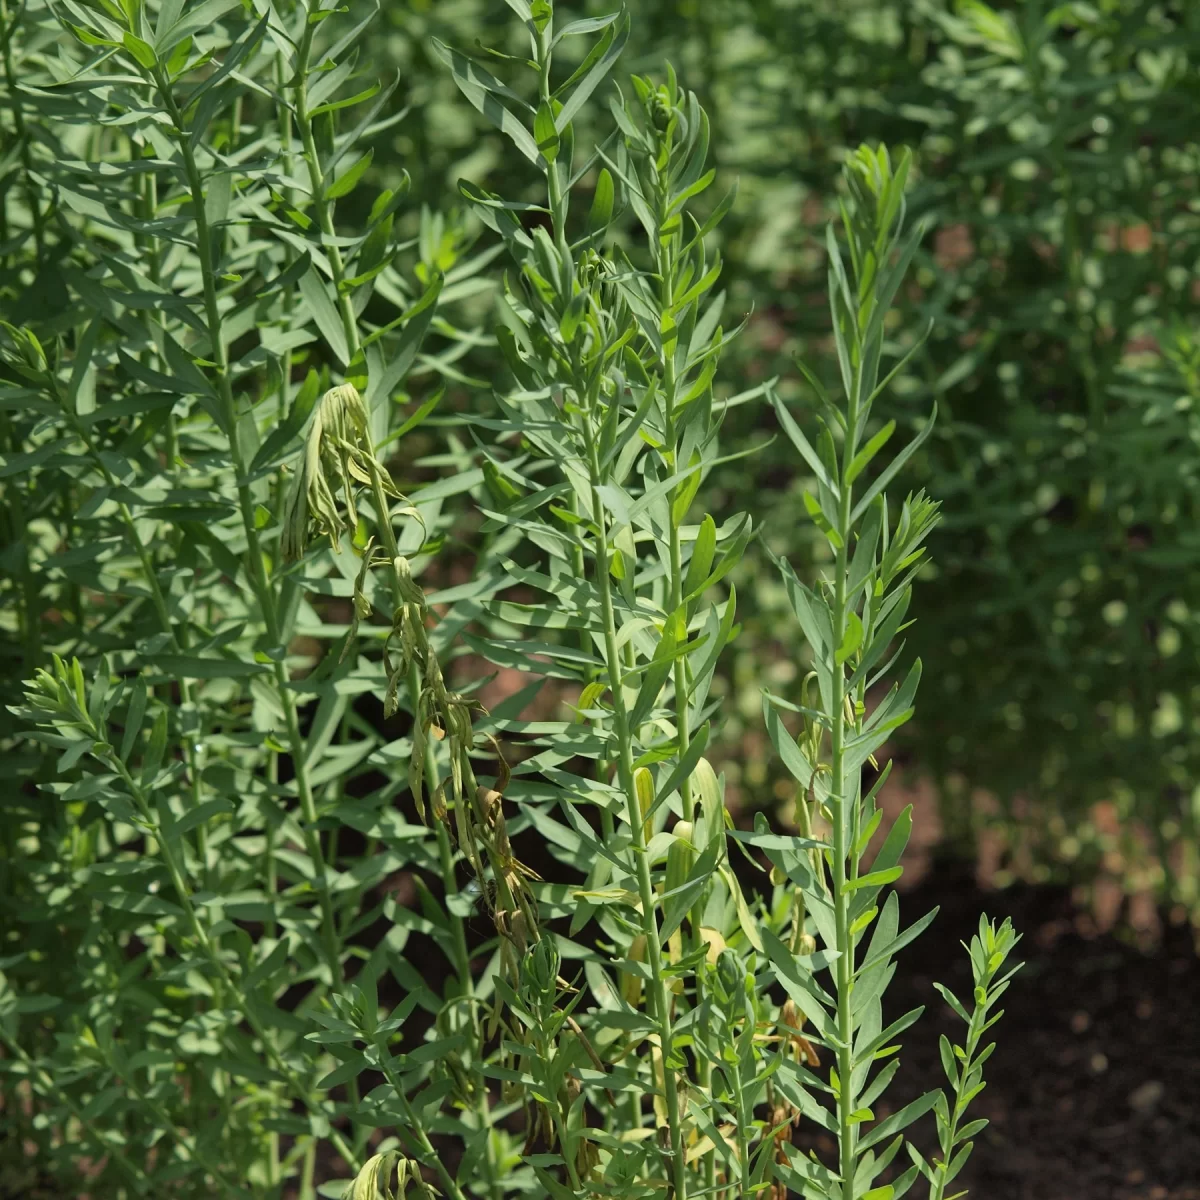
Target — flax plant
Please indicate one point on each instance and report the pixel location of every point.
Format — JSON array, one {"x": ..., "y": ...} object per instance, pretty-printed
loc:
[
  {"x": 192, "y": 789},
  {"x": 596, "y": 457},
  {"x": 248, "y": 716},
  {"x": 838, "y": 977}
]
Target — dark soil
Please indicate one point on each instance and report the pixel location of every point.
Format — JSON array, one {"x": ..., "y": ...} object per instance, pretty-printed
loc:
[
  {"x": 1093, "y": 1092},
  {"x": 1094, "y": 1088}
]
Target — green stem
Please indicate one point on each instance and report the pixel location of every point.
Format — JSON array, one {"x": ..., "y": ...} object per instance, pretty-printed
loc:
[
  {"x": 744, "y": 1125},
  {"x": 659, "y": 990},
  {"x": 324, "y": 208},
  {"x": 21, "y": 536},
  {"x": 225, "y": 986},
  {"x": 183, "y": 1141},
  {"x": 666, "y": 268},
  {"x": 558, "y": 200},
  {"x": 414, "y": 1128},
  {"x": 937, "y": 1189},
  {"x": 7, "y": 31},
  {"x": 136, "y": 1175},
  {"x": 460, "y": 953},
  {"x": 841, "y": 802},
  {"x": 263, "y": 591},
  {"x": 1079, "y": 338},
  {"x": 192, "y": 751}
]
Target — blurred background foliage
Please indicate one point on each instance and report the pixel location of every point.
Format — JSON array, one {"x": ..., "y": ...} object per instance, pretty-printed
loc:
[{"x": 1058, "y": 160}]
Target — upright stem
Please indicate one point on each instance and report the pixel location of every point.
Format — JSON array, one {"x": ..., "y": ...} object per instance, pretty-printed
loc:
[
  {"x": 415, "y": 1129},
  {"x": 224, "y": 984},
  {"x": 20, "y": 535},
  {"x": 745, "y": 1118},
  {"x": 192, "y": 751},
  {"x": 324, "y": 208},
  {"x": 7, "y": 31},
  {"x": 1082, "y": 342},
  {"x": 261, "y": 585},
  {"x": 666, "y": 271},
  {"x": 558, "y": 201},
  {"x": 613, "y": 664},
  {"x": 843, "y": 792},
  {"x": 36, "y": 1072}
]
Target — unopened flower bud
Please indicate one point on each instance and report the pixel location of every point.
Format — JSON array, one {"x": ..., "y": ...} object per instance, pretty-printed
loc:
[
  {"x": 543, "y": 967},
  {"x": 729, "y": 973}
]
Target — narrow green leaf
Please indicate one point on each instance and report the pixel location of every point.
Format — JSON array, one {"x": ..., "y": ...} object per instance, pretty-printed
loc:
[
  {"x": 184, "y": 666},
  {"x": 545, "y": 133},
  {"x": 601, "y": 212},
  {"x": 610, "y": 48},
  {"x": 796, "y": 434},
  {"x": 875, "y": 879},
  {"x": 316, "y": 298},
  {"x": 703, "y": 551},
  {"x": 279, "y": 440},
  {"x": 489, "y": 96},
  {"x": 860, "y": 461},
  {"x": 142, "y": 52},
  {"x": 852, "y": 639},
  {"x": 348, "y": 179},
  {"x": 898, "y": 1121},
  {"x": 893, "y": 467}
]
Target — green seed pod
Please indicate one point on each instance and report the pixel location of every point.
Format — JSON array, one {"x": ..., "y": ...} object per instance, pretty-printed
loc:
[
  {"x": 680, "y": 858},
  {"x": 631, "y": 985}
]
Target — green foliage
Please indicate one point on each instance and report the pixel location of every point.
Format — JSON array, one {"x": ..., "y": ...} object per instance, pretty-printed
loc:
[
  {"x": 262, "y": 399},
  {"x": 1061, "y": 290},
  {"x": 1069, "y": 562},
  {"x": 1052, "y": 150},
  {"x": 178, "y": 294},
  {"x": 850, "y": 622}
]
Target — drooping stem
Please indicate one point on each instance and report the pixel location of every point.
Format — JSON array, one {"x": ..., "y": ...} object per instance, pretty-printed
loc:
[{"x": 459, "y": 951}]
